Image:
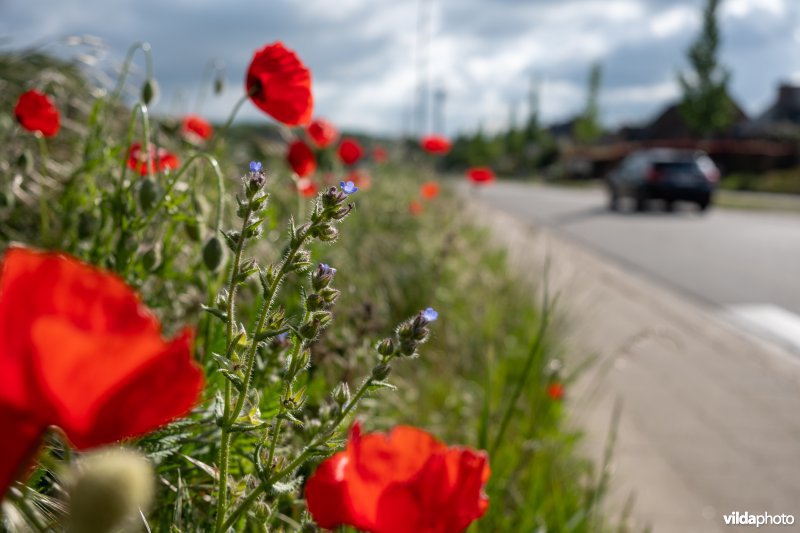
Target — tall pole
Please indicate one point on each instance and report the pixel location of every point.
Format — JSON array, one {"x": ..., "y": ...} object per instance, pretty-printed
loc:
[{"x": 421, "y": 112}]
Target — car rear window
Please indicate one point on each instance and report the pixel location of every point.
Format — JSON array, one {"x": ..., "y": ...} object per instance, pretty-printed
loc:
[{"x": 676, "y": 166}]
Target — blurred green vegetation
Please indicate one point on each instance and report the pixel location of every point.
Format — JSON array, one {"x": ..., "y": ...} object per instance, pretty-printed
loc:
[{"x": 775, "y": 181}]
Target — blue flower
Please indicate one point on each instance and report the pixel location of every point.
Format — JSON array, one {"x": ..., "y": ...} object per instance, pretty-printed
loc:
[
  {"x": 349, "y": 187},
  {"x": 327, "y": 269},
  {"x": 255, "y": 166},
  {"x": 283, "y": 336},
  {"x": 430, "y": 314}
]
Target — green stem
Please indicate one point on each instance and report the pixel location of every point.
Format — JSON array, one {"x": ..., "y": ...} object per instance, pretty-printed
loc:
[
  {"x": 251, "y": 498},
  {"x": 523, "y": 378},
  {"x": 239, "y": 103},
  {"x": 44, "y": 219},
  {"x": 126, "y": 65},
  {"x": 225, "y": 440}
]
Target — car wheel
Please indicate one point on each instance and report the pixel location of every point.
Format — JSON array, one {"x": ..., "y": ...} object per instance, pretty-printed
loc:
[
  {"x": 669, "y": 205},
  {"x": 613, "y": 201},
  {"x": 704, "y": 205}
]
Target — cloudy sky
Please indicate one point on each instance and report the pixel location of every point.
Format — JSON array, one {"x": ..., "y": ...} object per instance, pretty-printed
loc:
[{"x": 482, "y": 53}]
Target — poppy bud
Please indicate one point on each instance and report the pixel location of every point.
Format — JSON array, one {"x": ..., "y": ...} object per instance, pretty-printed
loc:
[
  {"x": 386, "y": 347},
  {"x": 381, "y": 372},
  {"x": 148, "y": 194},
  {"x": 151, "y": 259},
  {"x": 150, "y": 91},
  {"x": 341, "y": 394},
  {"x": 87, "y": 225},
  {"x": 213, "y": 253},
  {"x": 108, "y": 488},
  {"x": 192, "y": 229},
  {"x": 219, "y": 85},
  {"x": 25, "y": 161}
]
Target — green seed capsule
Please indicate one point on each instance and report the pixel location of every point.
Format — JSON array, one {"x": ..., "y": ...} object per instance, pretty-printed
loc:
[
  {"x": 150, "y": 91},
  {"x": 212, "y": 253},
  {"x": 148, "y": 194}
]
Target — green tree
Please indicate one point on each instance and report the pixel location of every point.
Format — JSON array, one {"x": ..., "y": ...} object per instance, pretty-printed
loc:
[
  {"x": 588, "y": 128},
  {"x": 706, "y": 105}
]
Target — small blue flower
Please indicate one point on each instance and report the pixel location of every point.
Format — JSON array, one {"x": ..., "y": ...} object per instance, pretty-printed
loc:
[
  {"x": 327, "y": 269},
  {"x": 349, "y": 187},
  {"x": 283, "y": 336},
  {"x": 430, "y": 314},
  {"x": 255, "y": 166}
]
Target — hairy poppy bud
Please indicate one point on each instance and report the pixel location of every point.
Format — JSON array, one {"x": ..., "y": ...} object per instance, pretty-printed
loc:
[
  {"x": 150, "y": 92},
  {"x": 386, "y": 347},
  {"x": 148, "y": 194},
  {"x": 213, "y": 253},
  {"x": 219, "y": 85},
  {"x": 108, "y": 488}
]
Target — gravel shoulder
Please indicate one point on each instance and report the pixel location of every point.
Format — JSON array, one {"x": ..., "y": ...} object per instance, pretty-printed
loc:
[{"x": 710, "y": 416}]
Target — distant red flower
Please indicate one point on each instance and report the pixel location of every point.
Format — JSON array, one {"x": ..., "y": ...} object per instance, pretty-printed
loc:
[
  {"x": 159, "y": 158},
  {"x": 350, "y": 151},
  {"x": 307, "y": 188},
  {"x": 361, "y": 179},
  {"x": 429, "y": 190},
  {"x": 322, "y": 133},
  {"x": 196, "y": 129},
  {"x": 36, "y": 112},
  {"x": 555, "y": 390},
  {"x": 435, "y": 144},
  {"x": 80, "y": 351},
  {"x": 480, "y": 175},
  {"x": 405, "y": 481},
  {"x": 280, "y": 85},
  {"x": 301, "y": 159},
  {"x": 415, "y": 207},
  {"x": 379, "y": 154}
]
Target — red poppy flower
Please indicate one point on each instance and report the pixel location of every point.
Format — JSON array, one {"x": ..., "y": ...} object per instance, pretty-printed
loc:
[
  {"x": 80, "y": 351},
  {"x": 379, "y": 154},
  {"x": 429, "y": 190},
  {"x": 36, "y": 112},
  {"x": 280, "y": 85},
  {"x": 480, "y": 175},
  {"x": 415, "y": 207},
  {"x": 435, "y": 144},
  {"x": 196, "y": 129},
  {"x": 350, "y": 151},
  {"x": 160, "y": 158},
  {"x": 555, "y": 391},
  {"x": 307, "y": 188},
  {"x": 301, "y": 159},
  {"x": 405, "y": 481},
  {"x": 322, "y": 133}
]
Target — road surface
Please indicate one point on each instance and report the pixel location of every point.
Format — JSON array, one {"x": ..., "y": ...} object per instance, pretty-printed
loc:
[
  {"x": 667, "y": 304},
  {"x": 744, "y": 264}
]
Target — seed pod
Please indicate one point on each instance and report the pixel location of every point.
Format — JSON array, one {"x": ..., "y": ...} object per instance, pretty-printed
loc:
[
  {"x": 148, "y": 194},
  {"x": 150, "y": 92},
  {"x": 381, "y": 372},
  {"x": 386, "y": 347},
  {"x": 87, "y": 225},
  {"x": 213, "y": 253},
  {"x": 151, "y": 259},
  {"x": 192, "y": 229}
]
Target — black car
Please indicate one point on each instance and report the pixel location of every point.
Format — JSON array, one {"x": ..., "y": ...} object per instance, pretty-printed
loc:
[{"x": 664, "y": 174}]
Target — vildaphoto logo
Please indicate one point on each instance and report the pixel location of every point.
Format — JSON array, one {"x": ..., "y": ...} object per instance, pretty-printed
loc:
[{"x": 764, "y": 519}]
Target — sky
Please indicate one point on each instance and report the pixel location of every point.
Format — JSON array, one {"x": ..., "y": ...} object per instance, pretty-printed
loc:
[{"x": 484, "y": 55}]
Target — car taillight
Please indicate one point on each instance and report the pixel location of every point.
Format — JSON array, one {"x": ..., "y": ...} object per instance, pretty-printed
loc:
[{"x": 654, "y": 174}]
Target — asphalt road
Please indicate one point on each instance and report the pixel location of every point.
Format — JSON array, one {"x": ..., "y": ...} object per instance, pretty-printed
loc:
[
  {"x": 710, "y": 414},
  {"x": 744, "y": 264}
]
